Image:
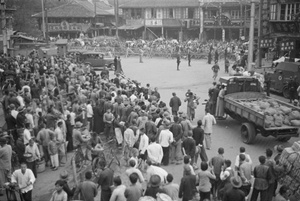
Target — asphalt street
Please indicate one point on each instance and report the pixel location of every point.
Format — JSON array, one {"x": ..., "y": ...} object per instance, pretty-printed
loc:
[{"x": 162, "y": 73}]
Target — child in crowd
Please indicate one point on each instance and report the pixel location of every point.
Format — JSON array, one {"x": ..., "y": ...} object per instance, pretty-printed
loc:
[
  {"x": 53, "y": 152},
  {"x": 134, "y": 156}
]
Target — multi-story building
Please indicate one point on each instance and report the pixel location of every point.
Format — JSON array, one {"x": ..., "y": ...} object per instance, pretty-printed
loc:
[
  {"x": 79, "y": 16},
  {"x": 214, "y": 19},
  {"x": 281, "y": 26}
]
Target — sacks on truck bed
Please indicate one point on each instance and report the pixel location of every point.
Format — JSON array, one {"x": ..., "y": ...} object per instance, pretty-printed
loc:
[
  {"x": 294, "y": 115},
  {"x": 285, "y": 110}
]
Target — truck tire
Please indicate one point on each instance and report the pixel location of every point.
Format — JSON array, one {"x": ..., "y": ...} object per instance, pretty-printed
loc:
[
  {"x": 285, "y": 92},
  {"x": 283, "y": 139},
  {"x": 248, "y": 133}
]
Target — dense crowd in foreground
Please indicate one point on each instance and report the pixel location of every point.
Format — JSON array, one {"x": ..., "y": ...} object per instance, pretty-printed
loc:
[{"x": 47, "y": 102}]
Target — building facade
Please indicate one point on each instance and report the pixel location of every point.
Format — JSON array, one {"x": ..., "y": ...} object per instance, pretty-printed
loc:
[
  {"x": 215, "y": 19},
  {"x": 281, "y": 26},
  {"x": 78, "y": 17}
]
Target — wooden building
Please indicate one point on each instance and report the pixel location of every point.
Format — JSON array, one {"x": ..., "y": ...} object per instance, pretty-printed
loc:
[
  {"x": 215, "y": 19},
  {"x": 79, "y": 16},
  {"x": 281, "y": 26}
]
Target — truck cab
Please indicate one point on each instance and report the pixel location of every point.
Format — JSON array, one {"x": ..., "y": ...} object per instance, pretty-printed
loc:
[{"x": 281, "y": 75}]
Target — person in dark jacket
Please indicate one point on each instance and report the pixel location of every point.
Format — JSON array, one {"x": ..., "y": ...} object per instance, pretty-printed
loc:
[
  {"x": 262, "y": 175},
  {"x": 177, "y": 131},
  {"x": 21, "y": 118},
  {"x": 105, "y": 181},
  {"x": 175, "y": 103},
  {"x": 178, "y": 61},
  {"x": 198, "y": 136},
  {"x": 234, "y": 193},
  {"x": 189, "y": 146},
  {"x": 187, "y": 188},
  {"x": 154, "y": 188},
  {"x": 64, "y": 177}
]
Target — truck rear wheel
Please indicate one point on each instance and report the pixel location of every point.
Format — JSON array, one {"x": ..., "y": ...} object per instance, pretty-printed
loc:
[
  {"x": 285, "y": 92},
  {"x": 248, "y": 133}
]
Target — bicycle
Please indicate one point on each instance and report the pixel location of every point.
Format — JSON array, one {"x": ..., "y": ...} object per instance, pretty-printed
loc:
[
  {"x": 111, "y": 156},
  {"x": 80, "y": 158}
]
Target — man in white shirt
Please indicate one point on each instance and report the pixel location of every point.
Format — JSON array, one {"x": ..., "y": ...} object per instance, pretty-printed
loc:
[
  {"x": 21, "y": 99},
  {"x": 165, "y": 139},
  {"x": 27, "y": 134},
  {"x": 132, "y": 169},
  {"x": 24, "y": 178},
  {"x": 89, "y": 114},
  {"x": 144, "y": 143},
  {"x": 32, "y": 149},
  {"x": 155, "y": 152},
  {"x": 14, "y": 112},
  {"x": 60, "y": 138},
  {"x": 208, "y": 122},
  {"x": 129, "y": 141},
  {"x": 152, "y": 170},
  {"x": 237, "y": 159}
]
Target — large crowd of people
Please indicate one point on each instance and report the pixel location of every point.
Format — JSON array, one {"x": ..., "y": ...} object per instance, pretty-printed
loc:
[{"x": 48, "y": 102}]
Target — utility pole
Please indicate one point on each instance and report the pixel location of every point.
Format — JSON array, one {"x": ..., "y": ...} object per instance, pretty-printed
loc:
[
  {"x": 43, "y": 19},
  {"x": 259, "y": 33},
  {"x": 201, "y": 20},
  {"x": 251, "y": 36},
  {"x": 117, "y": 17},
  {"x": 4, "y": 31}
]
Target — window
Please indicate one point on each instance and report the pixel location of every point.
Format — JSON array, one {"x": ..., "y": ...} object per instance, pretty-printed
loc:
[
  {"x": 235, "y": 14},
  {"x": 273, "y": 12},
  {"x": 287, "y": 11},
  {"x": 138, "y": 13},
  {"x": 153, "y": 13},
  {"x": 171, "y": 13},
  {"x": 191, "y": 13}
]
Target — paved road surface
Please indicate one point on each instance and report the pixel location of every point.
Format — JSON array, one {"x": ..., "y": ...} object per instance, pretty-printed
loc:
[{"x": 162, "y": 73}]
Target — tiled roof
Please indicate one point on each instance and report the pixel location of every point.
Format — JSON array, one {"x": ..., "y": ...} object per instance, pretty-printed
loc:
[
  {"x": 78, "y": 8},
  {"x": 176, "y": 3},
  {"x": 159, "y": 3}
]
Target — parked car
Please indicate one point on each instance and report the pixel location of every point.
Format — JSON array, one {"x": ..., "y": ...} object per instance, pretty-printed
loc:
[{"x": 97, "y": 60}]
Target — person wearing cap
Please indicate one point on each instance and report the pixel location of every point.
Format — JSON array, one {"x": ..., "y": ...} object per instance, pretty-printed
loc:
[
  {"x": 24, "y": 179},
  {"x": 165, "y": 140},
  {"x": 63, "y": 176},
  {"x": 186, "y": 125},
  {"x": 279, "y": 150},
  {"x": 154, "y": 187},
  {"x": 234, "y": 193},
  {"x": 21, "y": 118},
  {"x": 78, "y": 140},
  {"x": 5, "y": 162},
  {"x": 187, "y": 188}
]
